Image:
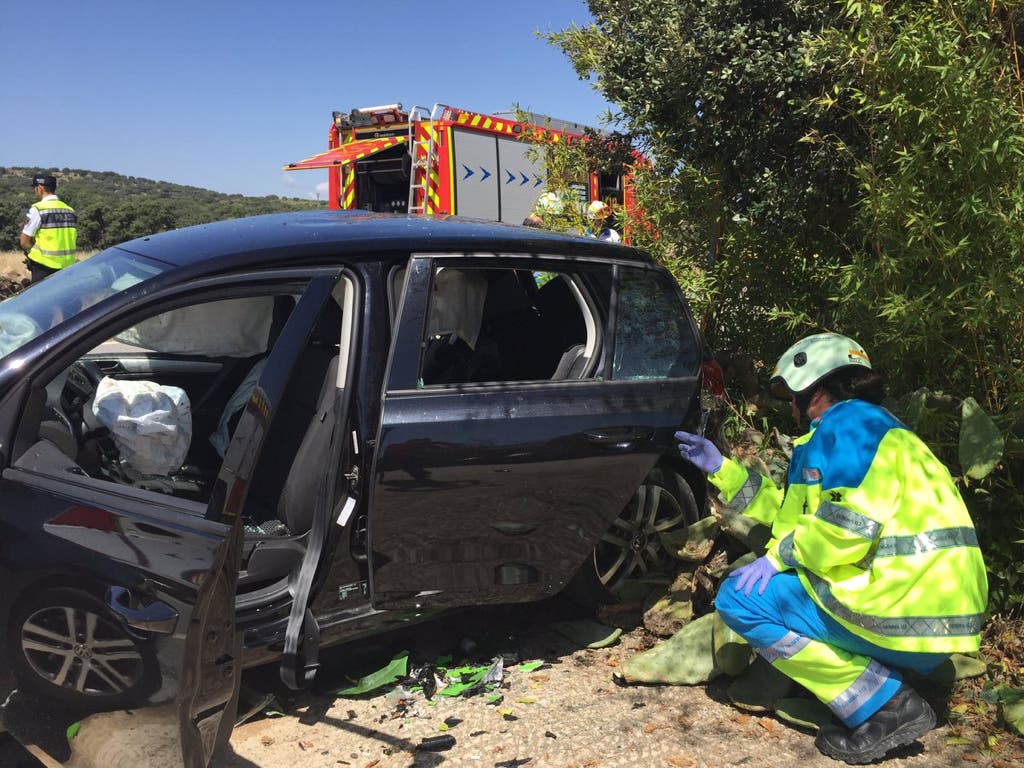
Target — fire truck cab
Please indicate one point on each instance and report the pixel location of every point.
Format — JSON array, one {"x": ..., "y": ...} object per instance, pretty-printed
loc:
[{"x": 445, "y": 161}]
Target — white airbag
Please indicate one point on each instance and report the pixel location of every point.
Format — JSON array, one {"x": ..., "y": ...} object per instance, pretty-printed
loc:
[{"x": 151, "y": 423}]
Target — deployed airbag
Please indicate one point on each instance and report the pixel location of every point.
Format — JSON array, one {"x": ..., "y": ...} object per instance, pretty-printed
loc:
[
  {"x": 150, "y": 423},
  {"x": 225, "y": 328}
]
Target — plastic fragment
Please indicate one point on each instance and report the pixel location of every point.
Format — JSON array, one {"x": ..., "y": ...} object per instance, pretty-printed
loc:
[
  {"x": 529, "y": 666},
  {"x": 394, "y": 670},
  {"x": 436, "y": 743},
  {"x": 73, "y": 730}
]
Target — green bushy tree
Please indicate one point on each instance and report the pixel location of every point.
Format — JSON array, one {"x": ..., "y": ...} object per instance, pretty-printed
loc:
[{"x": 851, "y": 166}]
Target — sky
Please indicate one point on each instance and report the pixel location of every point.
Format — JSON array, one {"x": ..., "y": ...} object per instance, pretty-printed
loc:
[{"x": 221, "y": 95}]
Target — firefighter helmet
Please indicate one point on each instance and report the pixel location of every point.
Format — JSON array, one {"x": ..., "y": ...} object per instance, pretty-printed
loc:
[
  {"x": 597, "y": 209},
  {"x": 811, "y": 359}
]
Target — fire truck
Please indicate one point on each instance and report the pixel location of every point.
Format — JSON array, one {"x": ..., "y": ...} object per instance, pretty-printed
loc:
[{"x": 446, "y": 160}]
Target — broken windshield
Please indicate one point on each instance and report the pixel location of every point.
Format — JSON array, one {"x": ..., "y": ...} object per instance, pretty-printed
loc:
[{"x": 63, "y": 295}]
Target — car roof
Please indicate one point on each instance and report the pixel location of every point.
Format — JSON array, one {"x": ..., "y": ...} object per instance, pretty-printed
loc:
[{"x": 320, "y": 235}]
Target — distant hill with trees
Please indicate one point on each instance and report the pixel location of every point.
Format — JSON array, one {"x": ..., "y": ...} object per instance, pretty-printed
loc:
[{"x": 113, "y": 208}]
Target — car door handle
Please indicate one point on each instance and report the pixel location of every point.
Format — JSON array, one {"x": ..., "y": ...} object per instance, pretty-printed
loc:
[
  {"x": 155, "y": 617},
  {"x": 620, "y": 438}
]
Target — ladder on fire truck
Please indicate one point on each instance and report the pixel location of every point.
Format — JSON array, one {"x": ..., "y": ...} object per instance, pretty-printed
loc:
[{"x": 423, "y": 149}]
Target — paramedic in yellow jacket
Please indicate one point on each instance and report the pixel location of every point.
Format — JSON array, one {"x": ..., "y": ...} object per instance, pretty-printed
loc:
[
  {"x": 873, "y": 565},
  {"x": 50, "y": 234}
]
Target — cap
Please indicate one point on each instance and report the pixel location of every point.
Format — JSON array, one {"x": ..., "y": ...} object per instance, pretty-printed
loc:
[
  {"x": 596, "y": 208},
  {"x": 49, "y": 182}
]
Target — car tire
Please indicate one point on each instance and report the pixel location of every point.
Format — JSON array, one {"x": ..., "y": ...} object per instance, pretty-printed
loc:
[
  {"x": 66, "y": 645},
  {"x": 631, "y": 547}
]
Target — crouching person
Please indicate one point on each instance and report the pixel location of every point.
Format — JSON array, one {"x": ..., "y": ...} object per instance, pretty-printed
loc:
[{"x": 873, "y": 566}]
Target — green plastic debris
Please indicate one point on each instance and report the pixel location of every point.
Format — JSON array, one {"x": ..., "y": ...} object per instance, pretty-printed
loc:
[
  {"x": 732, "y": 652},
  {"x": 529, "y": 666},
  {"x": 693, "y": 543},
  {"x": 462, "y": 679},
  {"x": 73, "y": 730},
  {"x": 686, "y": 658},
  {"x": 588, "y": 634},
  {"x": 395, "y": 670},
  {"x": 807, "y": 713},
  {"x": 759, "y": 687}
]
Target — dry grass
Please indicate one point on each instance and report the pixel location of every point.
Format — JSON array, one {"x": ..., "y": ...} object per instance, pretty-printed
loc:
[{"x": 12, "y": 264}]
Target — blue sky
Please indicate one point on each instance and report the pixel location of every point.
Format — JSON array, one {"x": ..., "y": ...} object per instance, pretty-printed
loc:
[{"x": 221, "y": 95}]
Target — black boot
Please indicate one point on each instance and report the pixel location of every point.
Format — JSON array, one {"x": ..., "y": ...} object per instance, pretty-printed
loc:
[{"x": 903, "y": 720}]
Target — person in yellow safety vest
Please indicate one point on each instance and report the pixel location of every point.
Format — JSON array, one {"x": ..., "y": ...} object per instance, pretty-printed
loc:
[
  {"x": 50, "y": 235},
  {"x": 873, "y": 565}
]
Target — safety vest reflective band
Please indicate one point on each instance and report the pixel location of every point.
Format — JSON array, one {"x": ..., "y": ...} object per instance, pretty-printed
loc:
[
  {"x": 845, "y": 518},
  {"x": 56, "y": 240},
  {"x": 901, "y": 546},
  {"x": 867, "y": 685},
  {"x": 896, "y": 626},
  {"x": 785, "y": 647},
  {"x": 746, "y": 493}
]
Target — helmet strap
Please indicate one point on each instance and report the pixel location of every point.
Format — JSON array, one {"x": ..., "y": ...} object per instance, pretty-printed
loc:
[{"x": 803, "y": 402}]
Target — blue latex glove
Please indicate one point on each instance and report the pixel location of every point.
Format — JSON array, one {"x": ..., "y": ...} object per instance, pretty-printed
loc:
[
  {"x": 700, "y": 452},
  {"x": 759, "y": 572}
]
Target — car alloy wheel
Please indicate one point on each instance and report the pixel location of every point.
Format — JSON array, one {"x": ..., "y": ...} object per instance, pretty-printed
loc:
[
  {"x": 72, "y": 646},
  {"x": 632, "y": 546}
]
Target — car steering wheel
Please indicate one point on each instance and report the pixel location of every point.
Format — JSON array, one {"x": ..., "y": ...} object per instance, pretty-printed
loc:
[{"x": 83, "y": 378}]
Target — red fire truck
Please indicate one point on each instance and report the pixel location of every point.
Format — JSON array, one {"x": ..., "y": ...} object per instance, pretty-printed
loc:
[{"x": 445, "y": 161}]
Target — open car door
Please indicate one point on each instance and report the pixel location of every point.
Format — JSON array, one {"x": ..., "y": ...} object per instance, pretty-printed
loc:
[{"x": 173, "y": 619}]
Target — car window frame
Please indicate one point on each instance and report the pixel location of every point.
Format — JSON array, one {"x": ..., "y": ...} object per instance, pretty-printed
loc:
[
  {"x": 84, "y": 340},
  {"x": 407, "y": 350}
]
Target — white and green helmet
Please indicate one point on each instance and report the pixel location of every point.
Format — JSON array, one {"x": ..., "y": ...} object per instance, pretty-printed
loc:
[{"x": 811, "y": 359}]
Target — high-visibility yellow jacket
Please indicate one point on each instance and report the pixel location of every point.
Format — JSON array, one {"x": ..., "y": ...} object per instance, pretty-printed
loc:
[
  {"x": 56, "y": 240},
  {"x": 876, "y": 530}
]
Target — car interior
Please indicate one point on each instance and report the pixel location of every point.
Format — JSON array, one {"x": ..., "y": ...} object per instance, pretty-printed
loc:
[
  {"x": 507, "y": 325},
  {"x": 121, "y": 413}
]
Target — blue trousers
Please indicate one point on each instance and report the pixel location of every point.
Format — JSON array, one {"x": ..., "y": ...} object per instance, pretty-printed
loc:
[{"x": 854, "y": 677}]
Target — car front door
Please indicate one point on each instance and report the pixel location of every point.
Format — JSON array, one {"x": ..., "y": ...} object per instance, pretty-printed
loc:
[
  {"x": 133, "y": 593},
  {"x": 491, "y": 490}
]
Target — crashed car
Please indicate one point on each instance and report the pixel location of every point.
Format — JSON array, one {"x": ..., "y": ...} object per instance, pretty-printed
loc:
[{"x": 236, "y": 443}]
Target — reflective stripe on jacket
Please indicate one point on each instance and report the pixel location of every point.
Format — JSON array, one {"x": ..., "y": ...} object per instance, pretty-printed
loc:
[
  {"x": 876, "y": 530},
  {"x": 56, "y": 240}
]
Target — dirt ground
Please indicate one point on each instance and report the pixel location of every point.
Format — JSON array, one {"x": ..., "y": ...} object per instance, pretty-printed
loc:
[{"x": 568, "y": 713}]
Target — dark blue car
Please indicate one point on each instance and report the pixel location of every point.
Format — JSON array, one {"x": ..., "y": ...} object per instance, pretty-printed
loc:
[{"x": 235, "y": 443}]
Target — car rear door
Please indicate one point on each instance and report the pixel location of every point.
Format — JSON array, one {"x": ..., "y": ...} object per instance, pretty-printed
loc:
[{"x": 496, "y": 491}]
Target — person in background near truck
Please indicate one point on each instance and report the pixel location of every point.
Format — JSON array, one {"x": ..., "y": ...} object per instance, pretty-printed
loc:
[
  {"x": 50, "y": 235},
  {"x": 547, "y": 204},
  {"x": 873, "y": 565},
  {"x": 598, "y": 216}
]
